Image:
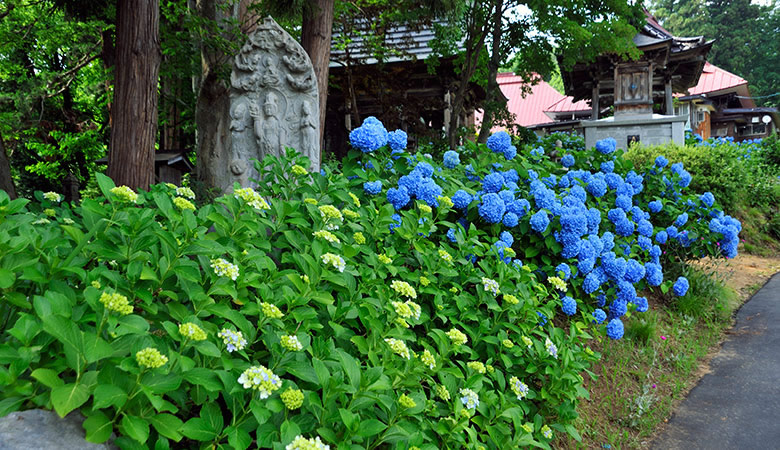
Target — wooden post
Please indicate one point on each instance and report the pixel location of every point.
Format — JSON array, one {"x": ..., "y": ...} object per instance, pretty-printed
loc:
[
  {"x": 668, "y": 96},
  {"x": 594, "y": 103}
]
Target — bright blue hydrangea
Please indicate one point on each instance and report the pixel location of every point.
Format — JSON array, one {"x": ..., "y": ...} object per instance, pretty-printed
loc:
[
  {"x": 591, "y": 283},
  {"x": 397, "y": 140},
  {"x": 369, "y": 136},
  {"x": 653, "y": 274},
  {"x": 510, "y": 176},
  {"x": 617, "y": 308},
  {"x": 635, "y": 271},
  {"x": 461, "y": 199},
  {"x": 492, "y": 208},
  {"x": 507, "y": 238},
  {"x": 398, "y": 197},
  {"x": 606, "y": 146},
  {"x": 493, "y": 182},
  {"x": 537, "y": 152},
  {"x": 661, "y": 237},
  {"x": 615, "y": 329},
  {"x": 567, "y": 160},
  {"x": 681, "y": 220},
  {"x": 539, "y": 221},
  {"x": 565, "y": 269},
  {"x": 451, "y": 159},
  {"x": 542, "y": 318},
  {"x": 396, "y": 222},
  {"x": 641, "y": 304},
  {"x": 597, "y": 187},
  {"x": 626, "y": 292},
  {"x": 568, "y": 306},
  {"x": 424, "y": 169},
  {"x": 661, "y": 162},
  {"x": 510, "y": 220},
  {"x": 510, "y": 152},
  {"x": 429, "y": 192},
  {"x": 655, "y": 206},
  {"x": 624, "y": 227},
  {"x": 672, "y": 231},
  {"x": 599, "y": 316},
  {"x": 372, "y": 187},
  {"x": 607, "y": 166},
  {"x": 708, "y": 199},
  {"x": 499, "y": 142},
  {"x": 613, "y": 180},
  {"x": 680, "y": 286},
  {"x": 623, "y": 202},
  {"x": 451, "y": 235},
  {"x": 645, "y": 228}
]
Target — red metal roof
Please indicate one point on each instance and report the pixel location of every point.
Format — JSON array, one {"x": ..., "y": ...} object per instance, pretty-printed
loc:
[
  {"x": 715, "y": 79},
  {"x": 529, "y": 110},
  {"x": 567, "y": 105}
]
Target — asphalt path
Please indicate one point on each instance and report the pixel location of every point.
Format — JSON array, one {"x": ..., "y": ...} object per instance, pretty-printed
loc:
[{"x": 737, "y": 404}]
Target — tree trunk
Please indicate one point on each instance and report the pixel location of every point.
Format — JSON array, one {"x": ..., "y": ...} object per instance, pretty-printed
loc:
[
  {"x": 6, "y": 182},
  {"x": 315, "y": 39},
  {"x": 134, "y": 128},
  {"x": 493, "y": 91}
]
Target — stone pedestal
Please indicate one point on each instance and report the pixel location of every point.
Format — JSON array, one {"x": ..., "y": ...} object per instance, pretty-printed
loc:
[{"x": 647, "y": 129}]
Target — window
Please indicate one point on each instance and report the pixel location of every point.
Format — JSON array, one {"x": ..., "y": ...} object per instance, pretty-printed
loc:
[{"x": 752, "y": 129}]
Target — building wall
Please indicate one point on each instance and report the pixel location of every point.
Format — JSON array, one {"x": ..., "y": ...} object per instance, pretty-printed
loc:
[{"x": 649, "y": 133}]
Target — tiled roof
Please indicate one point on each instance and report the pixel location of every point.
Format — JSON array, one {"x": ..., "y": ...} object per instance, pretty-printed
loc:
[
  {"x": 529, "y": 110},
  {"x": 715, "y": 79}
]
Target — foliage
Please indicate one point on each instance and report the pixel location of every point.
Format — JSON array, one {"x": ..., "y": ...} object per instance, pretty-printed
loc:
[{"x": 381, "y": 323}]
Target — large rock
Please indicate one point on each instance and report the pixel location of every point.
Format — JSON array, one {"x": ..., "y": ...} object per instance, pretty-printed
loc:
[{"x": 37, "y": 429}]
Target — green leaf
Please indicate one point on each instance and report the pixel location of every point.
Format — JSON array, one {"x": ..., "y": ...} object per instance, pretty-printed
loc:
[
  {"x": 98, "y": 428},
  {"x": 47, "y": 377},
  {"x": 198, "y": 429},
  {"x": 203, "y": 377},
  {"x": 105, "y": 184},
  {"x": 321, "y": 370},
  {"x": 159, "y": 383},
  {"x": 68, "y": 397},
  {"x": 289, "y": 431},
  {"x": 573, "y": 432},
  {"x": 132, "y": 324},
  {"x": 213, "y": 416},
  {"x": 106, "y": 395},
  {"x": 7, "y": 278},
  {"x": 239, "y": 438},
  {"x": 95, "y": 348},
  {"x": 530, "y": 252},
  {"x": 167, "y": 425},
  {"x": 136, "y": 428},
  {"x": 350, "y": 366},
  {"x": 207, "y": 348},
  {"x": 370, "y": 427}
]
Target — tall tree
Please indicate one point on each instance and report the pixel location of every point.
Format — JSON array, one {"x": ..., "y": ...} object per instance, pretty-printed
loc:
[
  {"x": 6, "y": 182},
  {"x": 134, "y": 122},
  {"x": 315, "y": 39}
]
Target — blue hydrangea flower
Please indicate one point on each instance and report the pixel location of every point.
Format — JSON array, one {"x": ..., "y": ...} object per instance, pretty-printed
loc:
[
  {"x": 641, "y": 304},
  {"x": 451, "y": 159},
  {"x": 396, "y": 222},
  {"x": 451, "y": 235},
  {"x": 591, "y": 283},
  {"x": 661, "y": 237},
  {"x": 461, "y": 199},
  {"x": 624, "y": 227},
  {"x": 510, "y": 152},
  {"x": 623, "y": 202},
  {"x": 542, "y": 318},
  {"x": 372, "y": 187},
  {"x": 680, "y": 286},
  {"x": 597, "y": 187},
  {"x": 492, "y": 208},
  {"x": 510, "y": 176},
  {"x": 493, "y": 182},
  {"x": 369, "y": 136},
  {"x": 429, "y": 192},
  {"x": 499, "y": 142},
  {"x": 397, "y": 140},
  {"x": 606, "y": 146},
  {"x": 653, "y": 274},
  {"x": 617, "y": 308},
  {"x": 569, "y": 306},
  {"x": 681, "y": 220},
  {"x": 567, "y": 160},
  {"x": 615, "y": 329},
  {"x": 645, "y": 228},
  {"x": 635, "y": 271},
  {"x": 565, "y": 269},
  {"x": 708, "y": 199},
  {"x": 607, "y": 167},
  {"x": 599, "y": 316},
  {"x": 539, "y": 221},
  {"x": 507, "y": 238},
  {"x": 398, "y": 197},
  {"x": 655, "y": 206},
  {"x": 510, "y": 220},
  {"x": 424, "y": 169},
  {"x": 661, "y": 162}
]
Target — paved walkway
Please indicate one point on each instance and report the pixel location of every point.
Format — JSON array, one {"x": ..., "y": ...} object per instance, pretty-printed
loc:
[{"x": 737, "y": 404}]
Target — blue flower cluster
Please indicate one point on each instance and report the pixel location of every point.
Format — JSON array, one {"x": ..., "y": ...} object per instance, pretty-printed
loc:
[
  {"x": 451, "y": 159},
  {"x": 370, "y": 136}
]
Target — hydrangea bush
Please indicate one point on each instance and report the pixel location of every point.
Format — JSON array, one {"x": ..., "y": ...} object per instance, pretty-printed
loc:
[{"x": 398, "y": 301}]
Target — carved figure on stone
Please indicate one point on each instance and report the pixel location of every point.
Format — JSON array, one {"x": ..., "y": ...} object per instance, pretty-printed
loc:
[{"x": 273, "y": 104}]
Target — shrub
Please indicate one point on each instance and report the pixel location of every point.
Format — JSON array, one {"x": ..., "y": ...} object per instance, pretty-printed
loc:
[{"x": 314, "y": 308}]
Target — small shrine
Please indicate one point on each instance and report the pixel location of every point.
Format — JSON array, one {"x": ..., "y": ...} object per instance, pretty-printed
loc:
[{"x": 639, "y": 93}]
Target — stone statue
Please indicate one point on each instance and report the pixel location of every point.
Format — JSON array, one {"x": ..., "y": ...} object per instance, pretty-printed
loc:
[{"x": 274, "y": 104}]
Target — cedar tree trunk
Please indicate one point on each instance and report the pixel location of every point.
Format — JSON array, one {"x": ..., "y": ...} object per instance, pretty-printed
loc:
[
  {"x": 6, "y": 182},
  {"x": 493, "y": 90},
  {"x": 315, "y": 39},
  {"x": 134, "y": 128}
]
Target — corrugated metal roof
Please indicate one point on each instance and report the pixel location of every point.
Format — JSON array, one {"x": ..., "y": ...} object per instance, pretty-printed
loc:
[
  {"x": 529, "y": 110},
  {"x": 714, "y": 79},
  {"x": 567, "y": 104}
]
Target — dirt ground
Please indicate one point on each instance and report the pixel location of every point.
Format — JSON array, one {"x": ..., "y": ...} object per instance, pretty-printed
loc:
[{"x": 747, "y": 273}]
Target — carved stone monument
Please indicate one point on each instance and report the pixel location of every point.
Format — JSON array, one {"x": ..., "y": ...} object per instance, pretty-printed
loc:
[{"x": 273, "y": 103}]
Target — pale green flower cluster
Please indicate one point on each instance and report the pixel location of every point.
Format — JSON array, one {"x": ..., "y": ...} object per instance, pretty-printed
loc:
[
  {"x": 445, "y": 256},
  {"x": 384, "y": 259},
  {"x": 311, "y": 201},
  {"x": 185, "y": 192},
  {"x": 407, "y": 309},
  {"x": 349, "y": 214},
  {"x": 151, "y": 358},
  {"x": 469, "y": 398},
  {"x": 476, "y": 366},
  {"x": 292, "y": 398},
  {"x": 551, "y": 348},
  {"x": 50, "y": 212},
  {"x": 557, "y": 283},
  {"x": 518, "y": 387},
  {"x": 355, "y": 199},
  {"x": 425, "y": 281},
  {"x": 406, "y": 402},
  {"x": 291, "y": 343},
  {"x": 442, "y": 392},
  {"x": 260, "y": 379},
  {"x": 399, "y": 347},
  {"x": 546, "y": 432},
  {"x": 428, "y": 359},
  {"x": 331, "y": 216},
  {"x": 425, "y": 208},
  {"x": 527, "y": 341},
  {"x": 403, "y": 288},
  {"x": 511, "y": 299},
  {"x": 298, "y": 170},
  {"x": 507, "y": 343},
  {"x": 182, "y": 203},
  {"x": 68, "y": 221},
  {"x": 252, "y": 198},
  {"x": 301, "y": 443},
  {"x": 42, "y": 221},
  {"x": 125, "y": 194},
  {"x": 444, "y": 201},
  {"x": 509, "y": 252},
  {"x": 224, "y": 269},
  {"x": 52, "y": 196},
  {"x": 234, "y": 340},
  {"x": 116, "y": 302},
  {"x": 327, "y": 235},
  {"x": 457, "y": 337},
  {"x": 359, "y": 238},
  {"x": 490, "y": 285},
  {"x": 271, "y": 311},
  {"x": 329, "y": 259},
  {"x": 191, "y": 331}
]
